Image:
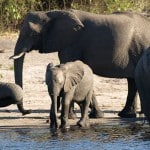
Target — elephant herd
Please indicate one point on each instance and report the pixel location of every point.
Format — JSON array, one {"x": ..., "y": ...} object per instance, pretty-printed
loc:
[{"x": 115, "y": 46}]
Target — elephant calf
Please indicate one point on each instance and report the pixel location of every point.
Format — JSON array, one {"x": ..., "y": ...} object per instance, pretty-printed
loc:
[
  {"x": 73, "y": 81},
  {"x": 11, "y": 93}
]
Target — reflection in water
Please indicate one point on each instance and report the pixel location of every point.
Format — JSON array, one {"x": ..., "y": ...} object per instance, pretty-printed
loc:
[{"x": 97, "y": 137}]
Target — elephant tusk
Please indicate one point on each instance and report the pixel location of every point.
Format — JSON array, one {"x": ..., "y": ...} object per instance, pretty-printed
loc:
[{"x": 17, "y": 56}]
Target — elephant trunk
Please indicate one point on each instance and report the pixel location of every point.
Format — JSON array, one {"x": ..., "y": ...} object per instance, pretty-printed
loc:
[
  {"x": 55, "y": 108},
  {"x": 18, "y": 71},
  {"x": 54, "y": 118},
  {"x": 19, "y": 54}
]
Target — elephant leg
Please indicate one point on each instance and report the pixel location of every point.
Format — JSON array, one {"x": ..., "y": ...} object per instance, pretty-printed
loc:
[
  {"x": 129, "y": 111},
  {"x": 54, "y": 123},
  {"x": 8, "y": 101},
  {"x": 72, "y": 114},
  {"x": 64, "y": 113},
  {"x": 58, "y": 102},
  {"x": 22, "y": 110},
  {"x": 95, "y": 110},
  {"x": 52, "y": 119},
  {"x": 81, "y": 108},
  {"x": 84, "y": 120}
]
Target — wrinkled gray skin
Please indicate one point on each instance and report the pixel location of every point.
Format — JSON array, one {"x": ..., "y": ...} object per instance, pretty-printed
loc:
[
  {"x": 110, "y": 44},
  {"x": 73, "y": 81},
  {"x": 142, "y": 78},
  {"x": 11, "y": 93}
]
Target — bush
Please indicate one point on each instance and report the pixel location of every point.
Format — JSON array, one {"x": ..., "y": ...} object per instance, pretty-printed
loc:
[
  {"x": 12, "y": 12},
  {"x": 124, "y": 5}
]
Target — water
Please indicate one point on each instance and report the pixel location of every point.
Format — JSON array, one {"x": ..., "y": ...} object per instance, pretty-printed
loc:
[{"x": 118, "y": 137}]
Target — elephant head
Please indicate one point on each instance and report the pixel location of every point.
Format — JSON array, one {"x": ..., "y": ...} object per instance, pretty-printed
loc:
[
  {"x": 44, "y": 31},
  {"x": 60, "y": 80},
  {"x": 64, "y": 76}
]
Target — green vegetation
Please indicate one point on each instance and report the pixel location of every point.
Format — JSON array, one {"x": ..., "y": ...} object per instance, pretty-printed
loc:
[{"x": 12, "y": 12}]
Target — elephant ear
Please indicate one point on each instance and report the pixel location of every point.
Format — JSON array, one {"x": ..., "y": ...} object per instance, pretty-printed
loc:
[
  {"x": 73, "y": 77},
  {"x": 35, "y": 27},
  {"x": 37, "y": 20},
  {"x": 68, "y": 19}
]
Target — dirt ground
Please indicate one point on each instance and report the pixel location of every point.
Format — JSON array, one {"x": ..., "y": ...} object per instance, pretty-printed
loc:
[{"x": 111, "y": 93}]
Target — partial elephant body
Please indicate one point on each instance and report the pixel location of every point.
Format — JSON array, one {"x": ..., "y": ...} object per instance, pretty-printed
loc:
[
  {"x": 12, "y": 94},
  {"x": 110, "y": 44},
  {"x": 74, "y": 81},
  {"x": 142, "y": 78}
]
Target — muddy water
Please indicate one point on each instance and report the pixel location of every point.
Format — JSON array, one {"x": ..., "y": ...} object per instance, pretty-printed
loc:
[{"x": 116, "y": 137}]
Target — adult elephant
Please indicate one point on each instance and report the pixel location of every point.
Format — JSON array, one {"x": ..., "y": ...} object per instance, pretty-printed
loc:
[
  {"x": 142, "y": 79},
  {"x": 110, "y": 44}
]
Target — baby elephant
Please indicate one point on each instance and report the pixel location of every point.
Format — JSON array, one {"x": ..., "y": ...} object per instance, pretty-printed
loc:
[
  {"x": 11, "y": 93},
  {"x": 73, "y": 81}
]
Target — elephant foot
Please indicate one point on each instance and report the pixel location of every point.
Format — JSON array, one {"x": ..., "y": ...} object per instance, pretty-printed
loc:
[
  {"x": 22, "y": 110},
  {"x": 72, "y": 115},
  {"x": 65, "y": 126},
  {"x": 83, "y": 124},
  {"x": 25, "y": 112},
  {"x": 64, "y": 123},
  {"x": 54, "y": 125},
  {"x": 127, "y": 114},
  {"x": 96, "y": 114}
]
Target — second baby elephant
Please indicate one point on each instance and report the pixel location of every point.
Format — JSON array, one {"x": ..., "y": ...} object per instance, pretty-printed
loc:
[
  {"x": 11, "y": 93},
  {"x": 73, "y": 81}
]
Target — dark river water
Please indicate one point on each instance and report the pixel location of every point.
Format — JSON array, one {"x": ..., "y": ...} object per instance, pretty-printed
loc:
[{"x": 117, "y": 137}]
